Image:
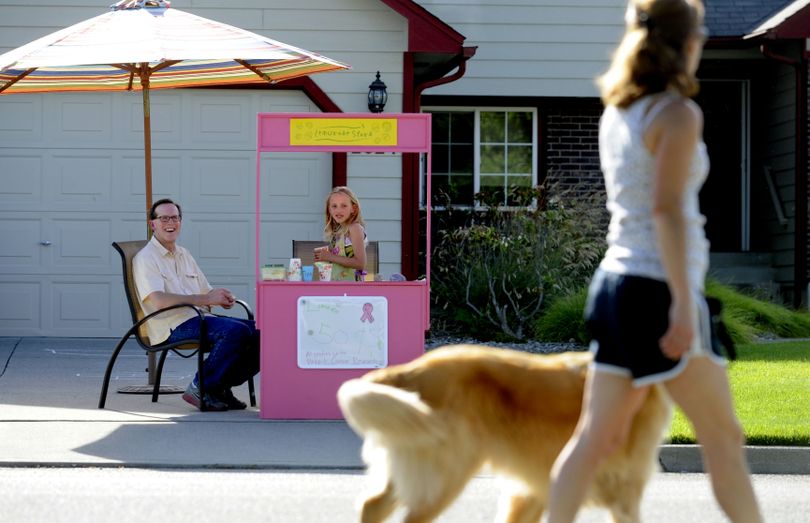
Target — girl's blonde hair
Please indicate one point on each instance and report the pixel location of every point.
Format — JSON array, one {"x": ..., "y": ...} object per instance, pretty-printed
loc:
[
  {"x": 333, "y": 228},
  {"x": 652, "y": 54}
]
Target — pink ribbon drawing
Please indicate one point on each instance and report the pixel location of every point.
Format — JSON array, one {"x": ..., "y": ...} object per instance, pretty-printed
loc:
[{"x": 367, "y": 308}]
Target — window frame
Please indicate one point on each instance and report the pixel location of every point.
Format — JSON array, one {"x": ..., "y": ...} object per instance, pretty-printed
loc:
[{"x": 477, "y": 110}]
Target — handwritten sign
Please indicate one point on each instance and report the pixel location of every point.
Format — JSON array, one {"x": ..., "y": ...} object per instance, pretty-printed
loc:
[
  {"x": 342, "y": 332},
  {"x": 346, "y": 131}
]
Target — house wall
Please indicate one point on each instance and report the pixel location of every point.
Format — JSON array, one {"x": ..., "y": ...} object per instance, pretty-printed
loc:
[
  {"x": 530, "y": 48},
  {"x": 779, "y": 157},
  {"x": 71, "y": 165},
  {"x": 806, "y": 291}
]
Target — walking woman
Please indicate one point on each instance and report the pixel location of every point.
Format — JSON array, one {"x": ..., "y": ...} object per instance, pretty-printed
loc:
[{"x": 646, "y": 310}]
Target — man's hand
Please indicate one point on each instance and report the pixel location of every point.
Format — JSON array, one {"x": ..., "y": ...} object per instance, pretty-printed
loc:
[{"x": 222, "y": 297}]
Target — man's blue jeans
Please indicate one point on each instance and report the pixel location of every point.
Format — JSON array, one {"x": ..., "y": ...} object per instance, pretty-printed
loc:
[{"x": 234, "y": 349}]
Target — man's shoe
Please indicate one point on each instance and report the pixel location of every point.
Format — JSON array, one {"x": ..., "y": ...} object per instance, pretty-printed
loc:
[
  {"x": 192, "y": 395},
  {"x": 233, "y": 403}
]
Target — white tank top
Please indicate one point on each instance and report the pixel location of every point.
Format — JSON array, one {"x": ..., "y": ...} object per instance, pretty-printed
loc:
[{"x": 628, "y": 169}]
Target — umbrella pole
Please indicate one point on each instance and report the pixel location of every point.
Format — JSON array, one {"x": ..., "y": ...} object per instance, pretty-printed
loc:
[
  {"x": 151, "y": 357},
  {"x": 147, "y": 161}
]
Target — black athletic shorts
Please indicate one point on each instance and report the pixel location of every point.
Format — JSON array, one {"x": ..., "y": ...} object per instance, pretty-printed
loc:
[{"x": 627, "y": 316}]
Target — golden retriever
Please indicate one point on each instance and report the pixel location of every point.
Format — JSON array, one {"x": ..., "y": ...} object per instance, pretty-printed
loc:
[{"x": 430, "y": 425}]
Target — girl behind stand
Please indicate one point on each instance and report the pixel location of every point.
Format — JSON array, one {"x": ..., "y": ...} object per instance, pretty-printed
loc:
[{"x": 345, "y": 231}]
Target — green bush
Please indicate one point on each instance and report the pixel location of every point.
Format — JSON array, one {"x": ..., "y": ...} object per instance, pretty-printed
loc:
[
  {"x": 492, "y": 275},
  {"x": 747, "y": 317},
  {"x": 562, "y": 319}
]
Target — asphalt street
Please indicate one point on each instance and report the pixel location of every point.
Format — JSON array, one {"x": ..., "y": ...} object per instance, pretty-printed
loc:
[{"x": 100, "y": 495}]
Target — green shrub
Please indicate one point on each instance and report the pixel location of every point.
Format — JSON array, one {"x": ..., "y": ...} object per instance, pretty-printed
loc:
[
  {"x": 747, "y": 317},
  {"x": 492, "y": 275},
  {"x": 562, "y": 320}
]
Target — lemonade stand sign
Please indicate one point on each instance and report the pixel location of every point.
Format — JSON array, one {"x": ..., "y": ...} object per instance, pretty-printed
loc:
[
  {"x": 342, "y": 332},
  {"x": 348, "y": 131}
]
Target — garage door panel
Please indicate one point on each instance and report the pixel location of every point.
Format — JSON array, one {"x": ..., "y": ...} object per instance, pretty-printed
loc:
[
  {"x": 294, "y": 185},
  {"x": 277, "y": 236},
  {"x": 20, "y": 238},
  {"x": 21, "y": 119},
  {"x": 128, "y": 229},
  {"x": 78, "y": 178},
  {"x": 222, "y": 245},
  {"x": 79, "y": 119},
  {"x": 20, "y": 306},
  {"x": 82, "y": 243},
  {"x": 130, "y": 186},
  {"x": 20, "y": 179},
  {"x": 218, "y": 181},
  {"x": 166, "y": 117},
  {"x": 221, "y": 120},
  {"x": 81, "y": 306},
  {"x": 268, "y": 106},
  {"x": 121, "y": 317}
]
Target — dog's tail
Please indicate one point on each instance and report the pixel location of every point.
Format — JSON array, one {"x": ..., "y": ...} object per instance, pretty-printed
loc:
[{"x": 396, "y": 416}]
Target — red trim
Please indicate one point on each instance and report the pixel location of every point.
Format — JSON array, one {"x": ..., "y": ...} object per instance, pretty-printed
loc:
[
  {"x": 410, "y": 182},
  {"x": 796, "y": 26},
  {"x": 312, "y": 90},
  {"x": 467, "y": 53},
  {"x": 426, "y": 32}
]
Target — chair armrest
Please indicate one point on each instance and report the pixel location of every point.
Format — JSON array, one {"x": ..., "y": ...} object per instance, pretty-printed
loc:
[
  {"x": 247, "y": 308},
  {"x": 244, "y": 305},
  {"x": 148, "y": 317},
  {"x": 177, "y": 306}
]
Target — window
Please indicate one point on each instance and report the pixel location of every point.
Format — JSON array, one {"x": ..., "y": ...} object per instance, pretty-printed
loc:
[{"x": 482, "y": 150}]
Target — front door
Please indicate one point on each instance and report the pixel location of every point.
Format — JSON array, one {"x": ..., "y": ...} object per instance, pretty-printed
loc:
[{"x": 724, "y": 199}]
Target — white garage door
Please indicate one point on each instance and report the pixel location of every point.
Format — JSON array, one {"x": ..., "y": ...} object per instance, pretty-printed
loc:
[{"x": 71, "y": 183}]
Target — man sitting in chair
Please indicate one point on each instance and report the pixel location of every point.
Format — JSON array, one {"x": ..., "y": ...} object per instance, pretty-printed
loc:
[{"x": 166, "y": 274}]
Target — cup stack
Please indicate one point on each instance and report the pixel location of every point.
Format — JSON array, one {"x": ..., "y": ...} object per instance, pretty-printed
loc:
[{"x": 294, "y": 270}]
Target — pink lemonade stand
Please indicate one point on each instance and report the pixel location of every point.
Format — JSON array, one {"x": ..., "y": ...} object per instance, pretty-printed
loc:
[{"x": 317, "y": 334}]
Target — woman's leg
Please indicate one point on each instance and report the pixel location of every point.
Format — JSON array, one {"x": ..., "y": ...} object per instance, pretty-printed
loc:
[
  {"x": 609, "y": 405},
  {"x": 703, "y": 393}
]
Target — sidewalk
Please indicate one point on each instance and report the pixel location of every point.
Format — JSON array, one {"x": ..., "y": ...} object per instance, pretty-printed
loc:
[{"x": 49, "y": 390}]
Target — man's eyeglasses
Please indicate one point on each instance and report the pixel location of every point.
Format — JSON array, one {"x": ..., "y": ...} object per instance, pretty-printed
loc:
[{"x": 169, "y": 219}]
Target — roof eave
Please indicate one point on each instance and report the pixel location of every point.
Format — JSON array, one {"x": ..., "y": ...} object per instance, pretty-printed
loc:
[{"x": 792, "y": 22}]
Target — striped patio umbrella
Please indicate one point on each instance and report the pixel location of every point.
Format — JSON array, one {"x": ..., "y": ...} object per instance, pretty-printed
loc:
[{"x": 145, "y": 44}]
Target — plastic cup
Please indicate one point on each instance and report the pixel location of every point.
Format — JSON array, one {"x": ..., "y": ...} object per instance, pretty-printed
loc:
[
  {"x": 306, "y": 272},
  {"x": 294, "y": 270},
  {"x": 324, "y": 270}
]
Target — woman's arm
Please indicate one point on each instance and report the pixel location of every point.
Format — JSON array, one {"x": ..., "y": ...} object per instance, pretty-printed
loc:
[{"x": 672, "y": 137}]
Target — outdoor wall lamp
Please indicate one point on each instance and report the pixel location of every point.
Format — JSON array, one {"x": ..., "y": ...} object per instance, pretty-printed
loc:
[{"x": 377, "y": 95}]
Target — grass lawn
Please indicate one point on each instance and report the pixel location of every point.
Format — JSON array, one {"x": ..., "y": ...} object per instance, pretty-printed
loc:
[{"x": 770, "y": 383}]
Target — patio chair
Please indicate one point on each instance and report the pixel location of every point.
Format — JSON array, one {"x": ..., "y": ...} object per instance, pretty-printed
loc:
[
  {"x": 303, "y": 249},
  {"x": 184, "y": 348}
]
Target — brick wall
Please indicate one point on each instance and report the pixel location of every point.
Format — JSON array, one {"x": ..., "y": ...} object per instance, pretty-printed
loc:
[{"x": 570, "y": 148}]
